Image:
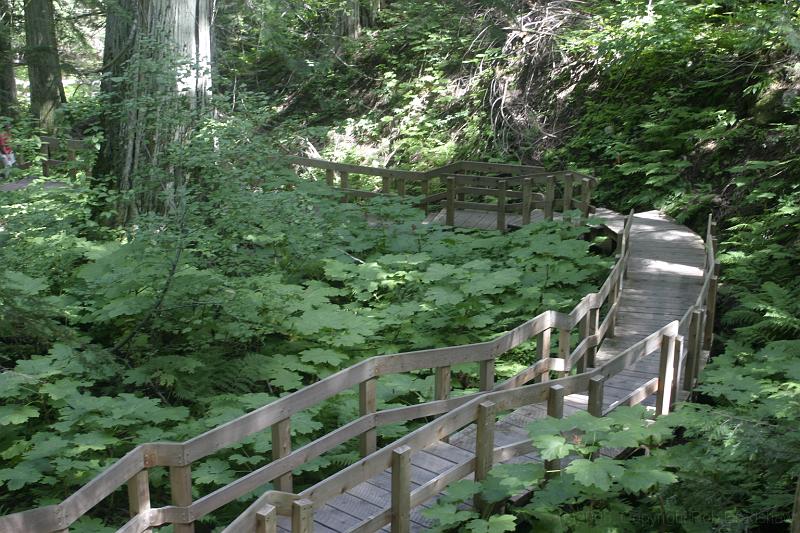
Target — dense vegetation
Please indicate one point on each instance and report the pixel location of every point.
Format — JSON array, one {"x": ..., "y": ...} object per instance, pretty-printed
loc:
[{"x": 125, "y": 320}]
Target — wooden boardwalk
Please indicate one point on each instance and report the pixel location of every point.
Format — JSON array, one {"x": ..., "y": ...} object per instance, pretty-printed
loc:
[{"x": 665, "y": 277}]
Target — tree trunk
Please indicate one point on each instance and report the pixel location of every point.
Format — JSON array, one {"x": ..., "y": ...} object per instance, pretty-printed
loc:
[
  {"x": 158, "y": 80},
  {"x": 41, "y": 56},
  {"x": 8, "y": 84}
]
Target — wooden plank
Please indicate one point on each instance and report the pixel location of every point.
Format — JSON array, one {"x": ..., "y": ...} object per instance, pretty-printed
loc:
[
  {"x": 267, "y": 520},
  {"x": 484, "y": 445},
  {"x": 451, "y": 201},
  {"x": 302, "y": 516},
  {"x": 665, "y": 375}
]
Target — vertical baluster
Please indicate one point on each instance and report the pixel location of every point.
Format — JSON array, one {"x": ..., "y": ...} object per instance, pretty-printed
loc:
[
  {"x": 676, "y": 368},
  {"x": 386, "y": 185},
  {"x": 486, "y": 371},
  {"x": 501, "y": 205},
  {"x": 555, "y": 409},
  {"x": 586, "y": 198},
  {"x": 401, "y": 186},
  {"x": 401, "y": 489},
  {"x": 526, "y": 201},
  {"x": 583, "y": 332},
  {"x": 450, "y": 218},
  {"x": 594, "y": 323},
  {"x": 302, "y": 516},
  {"x": 367, "y": 402},
  {"x": 267, "y": 519},
  {"x": 344, "y": 183},
  {"x": 549, "y": 197},
  {"x": 596, "y": 393},
  {"x": 329, "y": 177},
  {"x": 484, "y": 445},
  {"x": 180, "y": 482},
  {"x": 665, "y": 375},
  {"x": 543, "y": 352},
  {"x": 569, "y": 185},
  {"x": 442, "y": 386},
  {"x": 692, "y": 352},
  {"x": 564, "y": 348},
  {"x": 711, "y": 303},
  {"x": 139, "y": 494},
  {"x": 281, "y": 447}
]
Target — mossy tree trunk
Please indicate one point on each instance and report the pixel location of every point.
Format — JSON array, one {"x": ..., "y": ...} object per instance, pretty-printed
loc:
[
  {"x": 8, "y": 84},
  {"x": 41, "y": 57},
  {"x": 158, "y": 82}
]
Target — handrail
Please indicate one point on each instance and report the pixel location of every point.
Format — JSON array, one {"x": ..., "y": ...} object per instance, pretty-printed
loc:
[
  {"x": 132, "y": 469},
  {"x": 677, "y": 354},
  {"x": 515, "y": 182}
]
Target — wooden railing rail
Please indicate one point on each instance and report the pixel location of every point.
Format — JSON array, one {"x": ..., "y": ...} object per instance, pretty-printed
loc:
[
  {"x": 677, "y": 353},
  {"x": 53, "y": 149},
  {"x": 132, "y": 469},
  {"x": 562, "y": 190}
]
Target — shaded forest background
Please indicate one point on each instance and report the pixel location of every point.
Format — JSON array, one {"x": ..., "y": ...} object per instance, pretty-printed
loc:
[{"x": 185, "y": 274}]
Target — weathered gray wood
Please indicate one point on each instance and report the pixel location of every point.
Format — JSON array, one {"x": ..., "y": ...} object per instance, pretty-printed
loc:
[
  {"x": 526, "y": 201},
  {"x": 549, "y": 197},
  {"x": 180, "y": 482},
  {"x": 555, "y": 409},
  {"x": 677, "y": 360},
  {"x": 484, "y": 444},
  {"x": 711, "y": 305},
  {"x": 330, "y": 175},
  {"x": 367, "y": 403},
  {"x": 267, "y": 519},
  {"x": 501, "y": 205},
  {"x": 139, "y": 494},
  {"x": 302, "y": 516},
  {"x": 543, "y": 351},
  {"x": 451, "y": 201},
  {"x": 569, "y": 185},
  {"x": 564, "y": 344},
  {"x": 665, "y": 375},
  {"x": 486, "y": 374},
  {"x": 401, "y": 489},
  {"x": 281, "y": 447},
  {"x": 596, "y": 389}
]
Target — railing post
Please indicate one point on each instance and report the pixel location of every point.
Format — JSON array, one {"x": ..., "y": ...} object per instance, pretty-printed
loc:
[
  {"x": 367, "y": 403},
  {"x": 281, "y": 447},
  {"x": 329, "y": 176},
  {"x": 484, "y": 445},
  {"x": 555, "y": 409},
  {"x": 401, "y": 489},
  {"x": 267, "y": 519},
  {"x": 665, "y": 375},
  {"x": 302, "y": 516},
  {"x": 426, "y": 191},
  {"x": 676, "y": 368},
  {"x": 586, "y": 198},
  {"x": 139, "y": 493},
  {"x": 549, "y": 197},
  {"x": 583, "y": 332},
  {"x": 543, "y": 352},
  {"x": 569, "y": 184},
  {"x": 711, "y": 303},
  {"x": 344, "y": 183},
  {"x": 401, "y": 186},
  {"x": 596, "y": 392},
  {"x": 180, "y": 482},
  {"x": 613, "y": 300},
  {"x": 692, "y": 352},
  {"x": 501, "y": 205},
  {"x": 386, "y": 185},
  {"x": 486, "y": 372},
  {"x": 594, "y": 323},
  {"x": 526, "y": 201},
  {"x": 564, "y": 347},
  {"x": 450, "y": 215},
  {"x": 442, "y": 385}
]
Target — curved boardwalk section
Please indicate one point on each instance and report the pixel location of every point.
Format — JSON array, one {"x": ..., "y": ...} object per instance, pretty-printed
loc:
[{"x": 665, "y": 278}]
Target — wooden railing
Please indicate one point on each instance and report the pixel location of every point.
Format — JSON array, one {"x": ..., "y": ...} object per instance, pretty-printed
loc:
[
  {"x": 518, "y": 189},
  {"x": 678, "y": 354},
  {"x": 133, "y": 469},
  {"x": 57, "y": 152}
]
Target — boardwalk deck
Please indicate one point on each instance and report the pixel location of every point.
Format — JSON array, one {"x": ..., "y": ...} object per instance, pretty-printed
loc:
[{"x": 664, "y": 279}]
